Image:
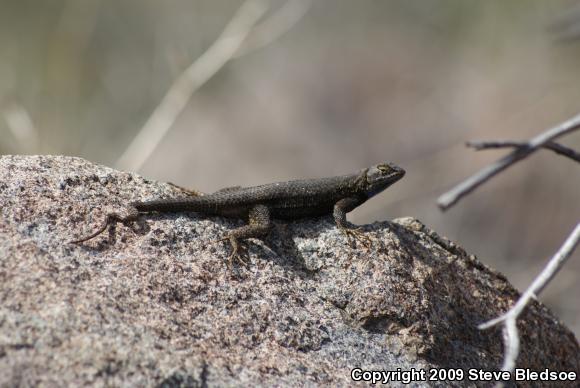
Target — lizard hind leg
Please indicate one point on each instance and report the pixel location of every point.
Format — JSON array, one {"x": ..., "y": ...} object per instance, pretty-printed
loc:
[
  {"x": 110, "y": 219},
  {"x": 259, "y": 225}
]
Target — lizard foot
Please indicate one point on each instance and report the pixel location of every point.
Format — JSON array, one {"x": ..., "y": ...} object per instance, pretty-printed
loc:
[
  {"x": 357, "y": 234},
  {"x": 238, "y": 250}
]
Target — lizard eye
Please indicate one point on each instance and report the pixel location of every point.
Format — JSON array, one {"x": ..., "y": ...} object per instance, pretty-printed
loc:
[
  {"x": 382, "y": 176},
  {"x": 383, "y": 168},
  {"x": 386, "y": 170}
]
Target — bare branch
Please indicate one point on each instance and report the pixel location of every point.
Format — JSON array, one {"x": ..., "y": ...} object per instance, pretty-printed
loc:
[
  {"x": 511, "y": 337},
  {"x": 556, "y": 147},
  {"x": 197, "y": 74},
  {"x": 282, "y": 21},
  {"x": 452, "y": 196}
]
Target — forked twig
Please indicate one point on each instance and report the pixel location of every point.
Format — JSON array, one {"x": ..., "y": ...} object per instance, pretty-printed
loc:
[
  {"x": 511, "y": 337},
  {"x": 240, "y": 36},
  {"x": 197, "y": 74},
  {"x": 276, "y": 25},
  {"x": 452, "y": 196},
  {"x": 553, "y": 146}
]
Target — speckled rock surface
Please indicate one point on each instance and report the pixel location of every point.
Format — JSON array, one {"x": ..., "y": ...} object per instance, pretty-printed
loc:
[{"x": 155, "y": 303}]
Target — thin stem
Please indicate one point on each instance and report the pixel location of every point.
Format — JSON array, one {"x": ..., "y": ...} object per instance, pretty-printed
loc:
[
  {"x": 511, "y": 337},
  {"x": 197, "y": 74},
  {"x": 467, "y": 186},
  {"x": 556, "y": 147}
]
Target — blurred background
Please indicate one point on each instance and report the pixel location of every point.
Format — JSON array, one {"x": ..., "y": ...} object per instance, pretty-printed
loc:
[{"x": 316, "y": 88}]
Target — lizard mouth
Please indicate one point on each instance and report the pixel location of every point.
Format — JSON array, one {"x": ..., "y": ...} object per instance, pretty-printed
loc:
[{"x": 388, "y": 172}]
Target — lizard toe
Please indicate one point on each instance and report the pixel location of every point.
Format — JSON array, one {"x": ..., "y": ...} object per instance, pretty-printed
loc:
[{"x": 354, "y": 235}]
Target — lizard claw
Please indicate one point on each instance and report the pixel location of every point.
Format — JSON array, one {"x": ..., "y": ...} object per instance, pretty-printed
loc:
[
  {"x": 235, "y": 255},
  {"x": 357, "y": 234},
  {"x": 237, "y": 251}
]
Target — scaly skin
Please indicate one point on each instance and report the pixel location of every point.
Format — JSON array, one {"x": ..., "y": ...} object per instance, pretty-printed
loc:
[{"x": 284, "y": 200}]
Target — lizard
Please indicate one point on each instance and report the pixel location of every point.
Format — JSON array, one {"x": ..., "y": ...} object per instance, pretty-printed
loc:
[{"x": 258, "y": 205}]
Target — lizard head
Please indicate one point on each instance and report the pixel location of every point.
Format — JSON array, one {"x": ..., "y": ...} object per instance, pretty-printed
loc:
[{"x": 381, "y": 176}]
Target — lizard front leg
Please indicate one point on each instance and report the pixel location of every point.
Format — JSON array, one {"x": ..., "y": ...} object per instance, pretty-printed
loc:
[
  {"x": 259, "y": 225},
  {"x": 342, "y": 207}
]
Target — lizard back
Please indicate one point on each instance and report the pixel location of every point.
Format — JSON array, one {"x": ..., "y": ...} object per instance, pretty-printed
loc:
[{"x": 287, "y": 200}]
